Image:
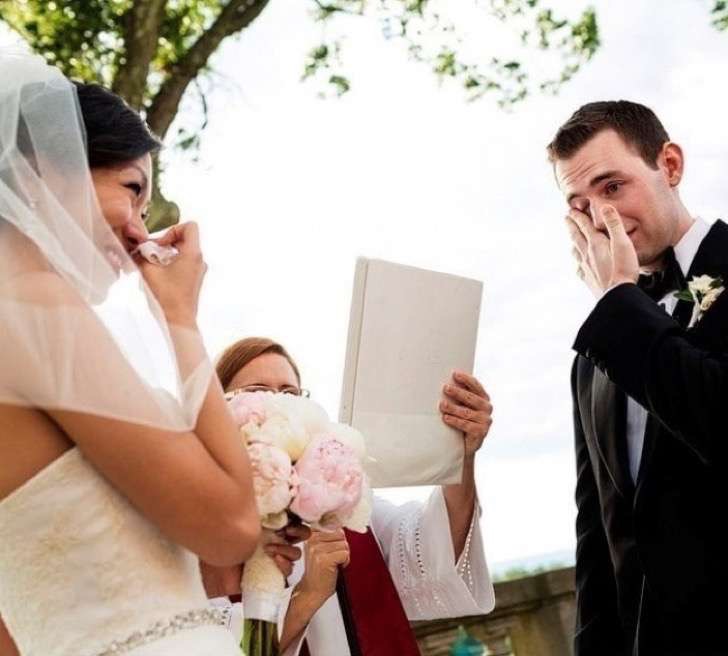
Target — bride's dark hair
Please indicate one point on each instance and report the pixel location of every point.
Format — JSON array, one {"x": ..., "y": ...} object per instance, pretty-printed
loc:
[{"x": 115, "y": 133}]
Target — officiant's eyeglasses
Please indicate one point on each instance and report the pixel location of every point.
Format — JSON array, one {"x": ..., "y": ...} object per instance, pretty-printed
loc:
[{"x": 250, "y": 389}]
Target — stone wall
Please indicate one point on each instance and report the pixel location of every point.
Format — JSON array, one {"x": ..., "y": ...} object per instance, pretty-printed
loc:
[{"x": 534, "y": 616}]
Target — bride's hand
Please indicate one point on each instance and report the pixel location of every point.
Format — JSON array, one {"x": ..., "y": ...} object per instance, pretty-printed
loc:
[
  {"x": 221, "y": 581},
  {"x": 177, "y": 285},
  {"x": 225, "y": 581}
]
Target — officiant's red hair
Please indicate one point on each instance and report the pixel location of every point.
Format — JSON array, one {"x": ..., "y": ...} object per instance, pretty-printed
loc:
[{"x": 243, "y": 352}]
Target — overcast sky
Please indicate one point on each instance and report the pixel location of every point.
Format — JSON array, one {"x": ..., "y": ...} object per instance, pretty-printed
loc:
[{"x": 290, "y": 189}]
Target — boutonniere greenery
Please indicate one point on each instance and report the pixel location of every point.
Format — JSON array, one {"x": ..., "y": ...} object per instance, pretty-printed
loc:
[{"x": 702, "y": 291}]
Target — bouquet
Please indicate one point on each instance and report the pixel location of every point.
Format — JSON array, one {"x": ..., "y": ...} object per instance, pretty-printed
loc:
[{"x": 305, "y": 469}]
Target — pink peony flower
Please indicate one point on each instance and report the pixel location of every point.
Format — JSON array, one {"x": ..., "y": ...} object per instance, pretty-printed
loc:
[
  {"x": 247, "y": 407},
  {"x": 330, "y": 482},
  {"x": 274, "y": 482}
]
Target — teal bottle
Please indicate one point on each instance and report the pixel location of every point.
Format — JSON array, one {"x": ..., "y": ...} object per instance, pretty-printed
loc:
[{"x": 466, "y": 645}]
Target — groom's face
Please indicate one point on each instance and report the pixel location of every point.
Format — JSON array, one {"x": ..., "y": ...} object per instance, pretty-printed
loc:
[{"x": 607, "y": 170}]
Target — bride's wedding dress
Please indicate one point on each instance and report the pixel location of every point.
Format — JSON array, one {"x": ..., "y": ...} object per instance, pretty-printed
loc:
[{"x": 84, "y": 574}]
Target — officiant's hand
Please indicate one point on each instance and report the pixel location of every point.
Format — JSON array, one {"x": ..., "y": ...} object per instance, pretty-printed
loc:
[
  {"x": 466, "y": 406},
  {"x": 602, "y": 248},
  {"x": 325, "y": 552}
]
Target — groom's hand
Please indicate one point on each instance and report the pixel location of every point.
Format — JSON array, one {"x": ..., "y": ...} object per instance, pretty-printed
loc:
[{"x": 605, "y": 258}]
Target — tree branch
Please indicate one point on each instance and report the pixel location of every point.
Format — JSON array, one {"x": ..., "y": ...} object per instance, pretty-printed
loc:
[
  {"x": 236, "y": 15},
  {"x": 141, "y": 25}
]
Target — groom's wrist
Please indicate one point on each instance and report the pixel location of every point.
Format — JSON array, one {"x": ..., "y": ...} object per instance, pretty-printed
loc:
[
  {"x": 621, "y": 280},
  {"x": 613, "y": 284}
]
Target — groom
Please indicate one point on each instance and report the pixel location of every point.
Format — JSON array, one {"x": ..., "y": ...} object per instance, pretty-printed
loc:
[{"x": 650, "y": 390}]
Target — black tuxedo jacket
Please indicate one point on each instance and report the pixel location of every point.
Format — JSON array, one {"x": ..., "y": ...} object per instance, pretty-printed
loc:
[{"x": 652, "y": 558}]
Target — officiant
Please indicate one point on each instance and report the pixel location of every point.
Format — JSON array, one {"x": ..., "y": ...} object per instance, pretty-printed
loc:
[{"x": 419, "y": 561}]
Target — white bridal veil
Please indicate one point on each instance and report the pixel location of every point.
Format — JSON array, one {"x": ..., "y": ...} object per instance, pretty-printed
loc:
[{"x": 98, "y": 343}]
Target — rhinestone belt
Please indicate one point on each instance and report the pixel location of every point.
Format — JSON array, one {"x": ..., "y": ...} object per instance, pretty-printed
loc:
[{"x": 180, "y": 622}]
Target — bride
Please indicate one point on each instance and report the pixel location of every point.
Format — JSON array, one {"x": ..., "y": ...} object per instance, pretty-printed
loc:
[{"x": 121, "y": 465}]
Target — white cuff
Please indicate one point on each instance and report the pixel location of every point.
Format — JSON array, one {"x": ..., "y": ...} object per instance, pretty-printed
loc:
[{"x": 431, "y": 584}]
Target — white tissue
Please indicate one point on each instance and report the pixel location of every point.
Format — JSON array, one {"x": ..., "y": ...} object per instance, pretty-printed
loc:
[{"x": 152, "y": 252}]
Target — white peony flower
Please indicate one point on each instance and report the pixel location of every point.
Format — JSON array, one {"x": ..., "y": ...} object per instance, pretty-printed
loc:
[
  {"x": 275, "y": 521},
  {"x": 704, "y": 291},
  {"x": 274, "y": 483},
  {"x": 308, "y": 414},
  {"x": 285, "y": 433},
  {"x": 710, "y": 297},
  {"x": 700, "y": 285}
]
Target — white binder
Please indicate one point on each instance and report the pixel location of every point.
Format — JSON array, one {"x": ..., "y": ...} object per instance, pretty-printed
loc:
[{"x": 409, "y": 329}]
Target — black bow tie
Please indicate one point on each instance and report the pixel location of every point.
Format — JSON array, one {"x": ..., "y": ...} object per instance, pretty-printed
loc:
[{"x": 659, "y": 284}]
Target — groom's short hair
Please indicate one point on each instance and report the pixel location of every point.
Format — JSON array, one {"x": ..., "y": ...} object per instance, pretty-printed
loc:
[{"x": 636, "y": 124}]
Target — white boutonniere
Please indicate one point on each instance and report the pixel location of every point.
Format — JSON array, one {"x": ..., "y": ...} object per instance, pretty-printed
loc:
[{"x": 702, "y": 292}]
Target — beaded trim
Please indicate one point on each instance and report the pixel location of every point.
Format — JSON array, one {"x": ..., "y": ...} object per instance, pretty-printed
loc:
[
  {"x": 415, "y": 580},
  {"x": 463, "y": 567},
  {"x": 180, "y": 622}
]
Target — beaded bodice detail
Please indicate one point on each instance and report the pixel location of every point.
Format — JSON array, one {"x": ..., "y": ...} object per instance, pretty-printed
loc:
[{"x": 81, "y": 569}]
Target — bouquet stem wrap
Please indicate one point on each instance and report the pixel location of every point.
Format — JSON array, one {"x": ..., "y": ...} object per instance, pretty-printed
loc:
[{"x": 262, "y": 586}]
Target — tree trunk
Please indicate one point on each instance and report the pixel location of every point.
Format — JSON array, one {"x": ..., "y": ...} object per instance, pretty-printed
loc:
[
  {"x": 141, "y": 35},
  {"x": 235, "y": 16},
  {"x": 142, "y": 23},
  {"x": 163, "y": 213}
]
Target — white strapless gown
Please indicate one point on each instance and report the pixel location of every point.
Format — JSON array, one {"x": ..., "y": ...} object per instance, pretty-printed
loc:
[{"x": 82, "y": 573}]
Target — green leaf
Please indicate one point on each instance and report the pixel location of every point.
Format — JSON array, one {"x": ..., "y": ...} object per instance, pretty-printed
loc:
[
  {"x": 341, "y": 84},
  {"x": 685, "y": 295},
  {"x": 720, "y": 15},
  {"x": 322, "y": 52},
  {"x": 81, "y": 37}
]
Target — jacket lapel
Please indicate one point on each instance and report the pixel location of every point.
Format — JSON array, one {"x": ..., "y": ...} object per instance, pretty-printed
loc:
[
  {"x": 712, "y": 260},
  {"x": 609, "y": 423}
]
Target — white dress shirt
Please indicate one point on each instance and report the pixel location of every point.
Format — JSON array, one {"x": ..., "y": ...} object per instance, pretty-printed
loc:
[{"x": 685, "y": 252}]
